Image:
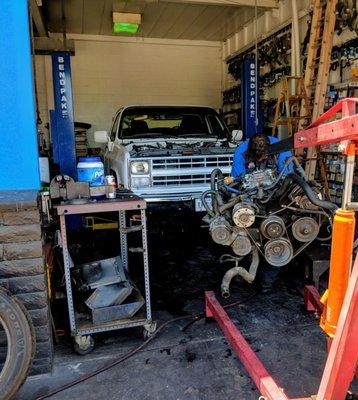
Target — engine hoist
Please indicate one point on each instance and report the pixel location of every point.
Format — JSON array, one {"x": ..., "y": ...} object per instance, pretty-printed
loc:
[{"x": 339, "y": 318}]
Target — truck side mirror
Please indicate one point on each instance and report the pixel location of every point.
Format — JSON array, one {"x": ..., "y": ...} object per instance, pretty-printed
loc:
[
  {"x": 101, "y": 137},
  {"x": 236, "y": 136}
]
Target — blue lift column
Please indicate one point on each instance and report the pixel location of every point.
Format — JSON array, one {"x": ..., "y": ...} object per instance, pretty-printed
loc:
[
  {"x": 62, "y": 123},
  {"x": 19, "y": 168},
  {"x": 251, "y": 117}
]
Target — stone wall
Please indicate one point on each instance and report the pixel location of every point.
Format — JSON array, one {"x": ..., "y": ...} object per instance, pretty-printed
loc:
[{"x": 22, "y": 269}]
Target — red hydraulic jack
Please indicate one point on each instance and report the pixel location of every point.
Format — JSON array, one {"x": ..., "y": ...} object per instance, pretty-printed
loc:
[{"x": 340, "y": 311}]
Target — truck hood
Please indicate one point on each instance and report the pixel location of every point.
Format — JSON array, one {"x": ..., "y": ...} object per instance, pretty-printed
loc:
[{"x": 168, "y": 147}]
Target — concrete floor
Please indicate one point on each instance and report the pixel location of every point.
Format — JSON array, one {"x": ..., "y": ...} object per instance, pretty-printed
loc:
[{"x": 197, "y": 364}]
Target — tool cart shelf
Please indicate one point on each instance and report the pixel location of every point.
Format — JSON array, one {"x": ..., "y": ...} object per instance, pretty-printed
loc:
[{"x": 82, "y": 329}]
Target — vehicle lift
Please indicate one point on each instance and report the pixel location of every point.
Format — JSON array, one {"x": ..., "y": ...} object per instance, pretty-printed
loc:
[{"x": 339, "y": 305}]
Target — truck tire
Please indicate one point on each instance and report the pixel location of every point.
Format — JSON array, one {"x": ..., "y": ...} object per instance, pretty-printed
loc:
[{"x": 19, "y": 333}]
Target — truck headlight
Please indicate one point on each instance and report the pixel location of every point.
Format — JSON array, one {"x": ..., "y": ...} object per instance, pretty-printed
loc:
[
  {"x": 140, "y": 181},
  {"x": 139, "y": 167}
]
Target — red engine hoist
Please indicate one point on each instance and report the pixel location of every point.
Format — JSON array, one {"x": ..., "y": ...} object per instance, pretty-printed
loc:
[{"x": 339, "y": 317}]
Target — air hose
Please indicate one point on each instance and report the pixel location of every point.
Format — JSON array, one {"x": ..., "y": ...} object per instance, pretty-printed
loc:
[{"x": 313, "y": 198}]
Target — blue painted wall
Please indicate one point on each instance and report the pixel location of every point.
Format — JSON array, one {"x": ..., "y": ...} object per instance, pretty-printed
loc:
[{"x": 18, "y": 143}]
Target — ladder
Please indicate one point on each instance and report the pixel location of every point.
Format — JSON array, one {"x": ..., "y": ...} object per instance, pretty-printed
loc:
[
  {"x": 292, "y": 100},
  {"x": 317, "y": 69}
]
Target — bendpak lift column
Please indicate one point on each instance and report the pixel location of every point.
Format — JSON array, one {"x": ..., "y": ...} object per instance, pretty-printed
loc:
[{"x": 62, "y": 121}]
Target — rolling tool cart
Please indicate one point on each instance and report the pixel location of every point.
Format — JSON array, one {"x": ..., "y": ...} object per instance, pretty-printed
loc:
[{"x": 105, "y": 277}]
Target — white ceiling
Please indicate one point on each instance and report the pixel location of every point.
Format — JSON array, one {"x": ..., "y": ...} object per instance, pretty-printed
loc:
[{"x": 169, "y": 19}]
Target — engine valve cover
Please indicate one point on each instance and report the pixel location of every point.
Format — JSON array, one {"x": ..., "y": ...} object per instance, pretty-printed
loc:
[
  {"x": 243, "y": 215},
  {"x": 305, "y": 229},
  {"x": 273, "y": 227},
  {"x": 278, "y": 252},
  {"x": 241, "y": 246}
]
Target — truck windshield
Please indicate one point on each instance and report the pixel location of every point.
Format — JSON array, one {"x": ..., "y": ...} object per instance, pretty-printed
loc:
[{"x": 175, "y": 122}]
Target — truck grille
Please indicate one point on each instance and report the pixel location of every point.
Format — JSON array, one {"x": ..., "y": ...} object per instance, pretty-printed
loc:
[
  {"x": 181, "y": 180},
  {"x": 192, "y": 162},
  {"x": 187, "y": 171}
]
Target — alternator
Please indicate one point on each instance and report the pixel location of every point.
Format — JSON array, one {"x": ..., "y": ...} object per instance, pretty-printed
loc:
[{"x": 220, "y": 231}]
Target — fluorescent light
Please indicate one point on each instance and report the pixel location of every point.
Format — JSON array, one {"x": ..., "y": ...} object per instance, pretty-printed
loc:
[
  {"x": 120, "y": 27},
  {"x": 126, "y": 22}
]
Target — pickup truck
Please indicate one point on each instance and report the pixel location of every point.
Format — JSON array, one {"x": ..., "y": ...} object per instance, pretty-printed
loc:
[{"x": 167, "y": 153}]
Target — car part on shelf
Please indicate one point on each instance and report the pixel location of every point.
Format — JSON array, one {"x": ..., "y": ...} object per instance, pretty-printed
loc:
[
  {"x": 275, "y": 216},
  {"x": 16, "y": 324}
]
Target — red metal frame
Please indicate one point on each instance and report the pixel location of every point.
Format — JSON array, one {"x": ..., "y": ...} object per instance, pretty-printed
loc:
[
  {"x": 324, "y": 132},
  {"x": 343, "y": 354},
  {"x": 262, "y": 379},
  {"x": 312, "y": 299}
]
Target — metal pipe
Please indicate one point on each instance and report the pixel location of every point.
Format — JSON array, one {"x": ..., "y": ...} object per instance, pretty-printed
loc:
[
  {"x": 296, "y": 40},
  {"x": 348, "y": 177},
  {"x": 248, "y": 276},
  {"x": 339, "y": 269},
  {"x": 293, "y": 59}
]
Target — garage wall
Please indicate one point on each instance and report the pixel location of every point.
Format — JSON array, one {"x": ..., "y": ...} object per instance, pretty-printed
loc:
[{"x": 109, "y": 72}]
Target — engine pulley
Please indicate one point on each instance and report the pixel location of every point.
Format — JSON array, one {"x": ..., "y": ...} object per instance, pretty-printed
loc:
[
  {"x": 305, "y": 229},
  {"x": 220, "y": 231},
  {"x": 273, "y": 227},
  {"x": 278, "y": 252},
  {"x": 243, "y": 215},
  {"x": 241, "y": 245}
]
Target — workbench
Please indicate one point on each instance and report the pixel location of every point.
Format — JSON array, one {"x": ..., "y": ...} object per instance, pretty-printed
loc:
[{"x": 81, "y": 330}]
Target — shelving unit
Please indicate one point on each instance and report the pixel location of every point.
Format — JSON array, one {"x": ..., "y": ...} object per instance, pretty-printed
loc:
[
  {"x": 334, "y": 162},
  {"x": 79, "y": 327}
]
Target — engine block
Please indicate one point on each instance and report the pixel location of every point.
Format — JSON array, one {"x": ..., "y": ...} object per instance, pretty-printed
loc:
[{"x": 269, "y": 216}]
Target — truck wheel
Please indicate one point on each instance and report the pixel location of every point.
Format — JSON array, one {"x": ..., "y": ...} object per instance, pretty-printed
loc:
[{"x": 17, "y": 339}]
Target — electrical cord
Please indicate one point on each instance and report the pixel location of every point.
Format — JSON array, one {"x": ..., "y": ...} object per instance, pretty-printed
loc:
[{"x": 131, "y": 353}]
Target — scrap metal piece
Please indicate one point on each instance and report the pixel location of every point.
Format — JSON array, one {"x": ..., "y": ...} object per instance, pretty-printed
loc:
[
  {"x": 106, "y": 296},
  {"x": 63, "y": 186},
  {"x": 108, "y": 271},
  {"x": 118, "y": 312}
]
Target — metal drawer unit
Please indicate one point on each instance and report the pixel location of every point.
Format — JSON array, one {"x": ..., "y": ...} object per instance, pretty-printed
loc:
[{"x": 81, "y": 330}]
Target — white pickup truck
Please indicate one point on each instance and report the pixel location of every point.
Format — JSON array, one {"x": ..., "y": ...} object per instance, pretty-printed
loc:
[{"x": 167, "y": 153}]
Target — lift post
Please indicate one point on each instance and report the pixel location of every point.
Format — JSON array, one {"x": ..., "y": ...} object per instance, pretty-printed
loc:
[{"x": 340, "y": 316}]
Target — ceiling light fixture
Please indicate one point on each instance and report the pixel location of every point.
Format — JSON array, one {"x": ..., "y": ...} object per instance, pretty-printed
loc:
[{"x": 126, "y": 22}]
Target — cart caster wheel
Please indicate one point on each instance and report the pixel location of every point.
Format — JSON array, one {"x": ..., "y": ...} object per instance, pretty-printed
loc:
[
  {"x": 149, "y": 330},
  {"x": 83, "y": 345}
]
